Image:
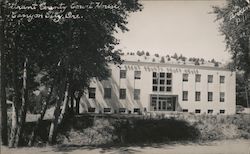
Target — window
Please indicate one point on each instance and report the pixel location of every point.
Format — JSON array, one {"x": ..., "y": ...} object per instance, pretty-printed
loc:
[
  {"x": 106, "y": 110},
  {"x": 136, "y": 110},
  {"x": 162, "y": 81},
  {"x": 210, "y": 78},
  {"x": 154, "y": 74},
  {"x": 122, "y": 110},
  {"x": 169, "y": 89},
  {"x": 185, "y": 77},
  {"x": 155, "y": 88},
  {"x": 185, "y": 95},
  {"x": 123, "y": 74},
  {"x": 162, "y": 88},
  {"x": 197, "y": 78},
  {"x": 197, "y": 96},
  {"x": 122, "y": 93},
  {"x": 222, "y": 111},
  {"x": 92, "y": 93},
  {"x": 222, "y": 96},
  {"x": 210, "y": 111},
  {"x": 155, "y": 81},
  {"x": 222, "y": 79},
  {"x": 137, "y": 74},
  {"x": 210, "y": 96},
  {"x": 137, "y": 94},
  {"x": 107, "y": 93},
  {"x": 162, "y": 75},
  {"x": 197, "y": 111},
  {"x": 169, "y": 75},
  {"x": 169, "y": 82},
  {"x": 185, "y": 110},
  {"x": 91, "y": 109}
]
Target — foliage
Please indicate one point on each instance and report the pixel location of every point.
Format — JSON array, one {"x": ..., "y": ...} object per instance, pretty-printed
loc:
[{"x": 234, "y": 21}]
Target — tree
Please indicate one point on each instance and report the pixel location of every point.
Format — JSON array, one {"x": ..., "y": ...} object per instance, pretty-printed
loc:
[
  {"x": 3, "y": 105},
  {"x": 235, "y": 23},
  {"x": 69, "y": 53}
]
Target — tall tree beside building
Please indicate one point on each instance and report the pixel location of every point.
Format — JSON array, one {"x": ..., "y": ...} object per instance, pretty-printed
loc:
[
  {"x": 235, "y": 22},
  {"x": 3, "y": 105},
  {"x": 68, "y": 52}
]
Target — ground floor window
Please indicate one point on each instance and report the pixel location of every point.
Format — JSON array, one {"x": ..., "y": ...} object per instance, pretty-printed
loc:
[
  {"x": 185, "y": 110},
  {"x": 107, "y": 110},
  {"x": 122, "y": 110},
  {"x": 197, "y": 111},
  {"x": 91, "y": 109},
  {"x": 222, "y": 111},
  {"x": 209, "y": 111},
  {"x": 136, "y": 110}
]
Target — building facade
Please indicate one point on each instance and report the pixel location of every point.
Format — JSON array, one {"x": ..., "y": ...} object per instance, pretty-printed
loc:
[{"x": 137, "y": 87}]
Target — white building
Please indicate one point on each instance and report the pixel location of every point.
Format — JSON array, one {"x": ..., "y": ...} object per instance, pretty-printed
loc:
[{"x": 142, "y": 86}]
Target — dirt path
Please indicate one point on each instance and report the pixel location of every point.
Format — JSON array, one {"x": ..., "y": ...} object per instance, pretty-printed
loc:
[{"x": 217, "y": 147}]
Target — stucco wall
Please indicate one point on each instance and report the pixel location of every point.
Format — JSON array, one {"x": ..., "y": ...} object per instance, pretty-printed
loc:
[{"x": 145, "y": 86}]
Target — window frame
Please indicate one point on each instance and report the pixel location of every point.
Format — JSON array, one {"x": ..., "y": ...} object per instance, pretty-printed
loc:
[
  {"x": 210, "y": 78},
  {"x": 123, "y": 74},
  {"x": 137, "y": 94},
  {"x": 183, "y": 98},
  {"x": 197, "y": 76},
  {"x": 121, "y": 92},
  {"x": 185, "y": 77},
  {"x": 107, "y": 95},
  {"x": 222, "y": 79},
  {"x": 197, "y": 92},
  {"x": 91, "y": 93},
  {"x": 208, "y": 98},
  {"x": 222, "y": 99},
  {"x": 137, "y": 75}
]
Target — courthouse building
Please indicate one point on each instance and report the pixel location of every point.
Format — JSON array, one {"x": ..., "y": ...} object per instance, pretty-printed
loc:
[{"x": 144, "y": 84}]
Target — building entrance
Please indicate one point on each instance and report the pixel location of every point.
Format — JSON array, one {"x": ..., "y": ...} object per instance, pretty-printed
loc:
[{"x": 163, "y": 103}]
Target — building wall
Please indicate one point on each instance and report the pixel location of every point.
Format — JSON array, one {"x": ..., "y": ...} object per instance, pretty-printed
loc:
[{"x": 178, "y": 86}]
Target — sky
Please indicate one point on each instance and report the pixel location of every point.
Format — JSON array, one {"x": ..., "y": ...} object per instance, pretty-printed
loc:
[{"x": 182, "y": 27}]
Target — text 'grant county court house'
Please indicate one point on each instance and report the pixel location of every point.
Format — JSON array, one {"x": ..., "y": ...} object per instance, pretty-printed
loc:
[{"x": 144, "y": 84}]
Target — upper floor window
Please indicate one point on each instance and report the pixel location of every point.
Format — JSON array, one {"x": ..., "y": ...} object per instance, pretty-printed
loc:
[
  {"x": 197, "y": 78},
  {"x": 122, "y": 93},
  {"x": 222, "y": 79},
  {"x": 210, "y": 96},
  {"x": 222, "y": 96},
  {"x": 110, "y": 71},
  {"x": 185, "y": 77},
  {"x": 169, "y": 75},
  {"x": 137, "y": 94},
  {"x": 123, "y": 73},
  {"x": 107, "y": 93},
  {"x": 154, "y": 74},
  {"x": 92, "y": 92},
  {"x": 210, "y": 78},
  {"x": 197, "y": 96},
  {"x": 185, "y": 95},
  {"x": 137, "y": 74}
]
